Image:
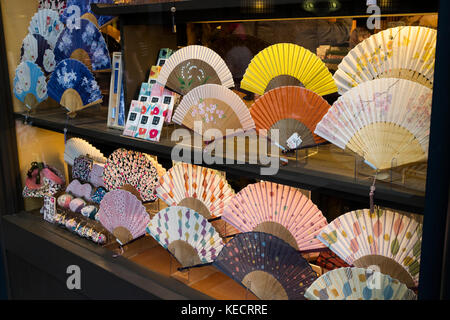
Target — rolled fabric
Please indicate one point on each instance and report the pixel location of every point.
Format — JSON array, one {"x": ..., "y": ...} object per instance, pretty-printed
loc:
[
  {"x": 64, "y": 200},
  {"x": 98, "y": 194},
  {"x": 89, "y": 211},
  {"x": 77, "y": 204}
]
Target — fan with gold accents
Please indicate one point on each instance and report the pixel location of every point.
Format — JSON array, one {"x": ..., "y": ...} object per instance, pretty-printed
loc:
[
  {"x": 386, "y": 239},
  {"x": 287, "y": 64},
  {"x": 213, "y": 106},
  {"x": 279, "y": 210},
  {"x": 386, "y": 121},
  {"x": 193, "y": 66},
  {"x": 290, "y": 110},
  {"x": 400, "y": 52}
]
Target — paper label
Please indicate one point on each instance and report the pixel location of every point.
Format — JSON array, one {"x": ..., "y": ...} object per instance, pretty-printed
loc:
[
  {"x": 134, "y": 117},
  {"x": 294, "y": 141}
]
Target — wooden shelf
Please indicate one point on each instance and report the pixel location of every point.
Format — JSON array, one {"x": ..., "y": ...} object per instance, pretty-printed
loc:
[{"x": 327, "y": 169}]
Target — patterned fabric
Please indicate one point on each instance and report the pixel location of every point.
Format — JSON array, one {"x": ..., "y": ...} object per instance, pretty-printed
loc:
[
  {"x": 50, "y": 184},
  {"x": 357, "y": 284},
  {"x": 329, "y": 260},
  {"x": 98, "y": 194},
  {"x": 82, "y": 167}
]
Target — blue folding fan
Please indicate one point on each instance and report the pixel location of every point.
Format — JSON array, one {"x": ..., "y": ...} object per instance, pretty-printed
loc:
[
  {"x": 266, "y": 265},
  {"x": 86, "y": 12},
  {"x": 74, "y": 86},
  {"x": 36, "y": 49},
  {"x": 29, "y": 84},
  {"x": 83, "y": 42}
]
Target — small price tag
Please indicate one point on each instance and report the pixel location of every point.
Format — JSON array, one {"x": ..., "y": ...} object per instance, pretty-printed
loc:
[{"x": 294, "y": 141}]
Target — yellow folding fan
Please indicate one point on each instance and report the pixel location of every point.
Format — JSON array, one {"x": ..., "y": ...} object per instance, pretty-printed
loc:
[{"x": 287, "y": 64}]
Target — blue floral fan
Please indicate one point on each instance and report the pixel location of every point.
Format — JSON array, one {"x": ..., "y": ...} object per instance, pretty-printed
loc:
[
  {"x": 267, "y": 266},
  {"x": 29, "y": 84},
  {"x": 86, "y": 12},
  {"x": 36, "y": 49},
  {"x": 82, "y": 43},
  {"x": 74, "y": 86}
]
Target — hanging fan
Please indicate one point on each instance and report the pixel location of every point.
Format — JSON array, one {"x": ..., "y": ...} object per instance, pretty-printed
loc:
[
  {"x": 266, "y": 265},
  {"x": 29, "y": 84},
  {"x": 193, "y": 66},
  {"x": 84, "y": 8},
  {"x": 290, "y": 110},
  {"x": 57, "y": 5},
  {"x": 386, "y": 121},
  {"x": 279, "y": 210},
  {"x": 387, "y": 239},
  {"x": 287, "y": 64},
  {"x": 401, "y": 52},
  {"x": 215, "y": 107},
  {"x": 330, "y": 261},
  {"x": 201, "y": 189},
  {"x": 127, "y": 167},
  {"x": 46, "y": 23},
  {"x": 358, "y": 284},
  {"x": 36, "y": 49},
  {"x": 76, "y": 147},
  {"x": 74, "y": 86},
  {"x": 122, "y": 214},
  {"x": 186, "y": 234},
  {"x": 85, "y": 44}
]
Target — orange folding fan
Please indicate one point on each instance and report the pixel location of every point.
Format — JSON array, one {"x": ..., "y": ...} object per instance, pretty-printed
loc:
[{"x": 290, "y": 109}]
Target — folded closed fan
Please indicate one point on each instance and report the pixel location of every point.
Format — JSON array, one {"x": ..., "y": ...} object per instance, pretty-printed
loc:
[
  {"x": 400, "y": 52},
  {"x": 36, "y": 49},
  {"x": 46, "y": 23},
  {"x": 30, "y": 86},
  {"x": 193, "y": 66},
  {"x": 279, "y": 210},
  {"x": 287, "y": 64},
  {"x": 186, "y": 234},
  {"x": 213, "y": 106},
  {"x": 387, "y": 239},
  {"x": 358, "y": 284},
  {"x": 385, "y": 121},
  {"x": 266, "y": 265},
  {"x": 74, "y": 86},
  {"x": 122, "y": 214},
  {"x": 85, "y": 44},
  {"x": 290, "y": 110}
]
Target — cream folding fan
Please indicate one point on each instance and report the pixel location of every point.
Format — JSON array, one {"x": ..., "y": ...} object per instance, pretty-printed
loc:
[
  {"x": 213, "y": 106},
  {"x": 401, "y": 52},
  {"x": 290, "y": 110},
  {"x": 287, "y": 64},
  {"x": 76, "y": 147},
  {"x": 186, "y": 234},
  {"x": 386, "y": 121},
  {"x": 279, "y": 210},
  {"x": 193, "y": 66},
  {"x": 358, "y": 284},
  {"x": 386, "y": 239},
  {"x": 201, "y": 189}
]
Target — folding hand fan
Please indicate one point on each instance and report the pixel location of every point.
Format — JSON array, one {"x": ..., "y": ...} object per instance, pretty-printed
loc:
[
  {"x": 193, "y": 66},
  {"x": 279, "y": 210},
  {"x": 46, "y": 23},
  {"x": 126, "y": 167},
  {"x": 387, "y": 239},
  {"x": 358, "y": 284},
  {"x": 159, "y": 168},
  {"x": 74, "y": 86},
  {"x": 122, "y": 214},
  {"x": 85, "y": 44},
  {"x": 86, "y": 12},
  {"x": 57, "y": 5},
  {"x": 401, "y": 52},
  {"x": 36, "y": 49},
  {"x": 203, "y": 190},
  {"x": 386, "y": 121},
  {"x": 290, "y": 110},
  {"x": 186, "y": 234},
  {"x": 76, "y": 147},
  {"x": 215, "y": 107},
  {"x": 29, "y": 84},
  {"x": 287, "y": 64},
  {"x": 329, "y": 260},
  {"x": 266, "y": 265}
]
